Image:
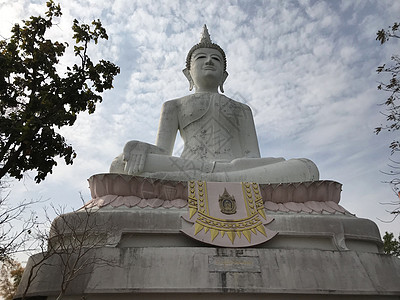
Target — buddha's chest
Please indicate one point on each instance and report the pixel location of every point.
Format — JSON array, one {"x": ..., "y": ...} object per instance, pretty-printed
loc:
[
  {"x": 210, "y": 127},
  {"x": 210, "y": 108}
]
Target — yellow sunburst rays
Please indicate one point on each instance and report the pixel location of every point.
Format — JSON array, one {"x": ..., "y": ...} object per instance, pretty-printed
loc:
[
  {"x": 231, "y": 234},
  {"x": 192, "y": 200},
  {"x": 203, "y": 200},
  {"x": 248, "y": 197},
  {"x": 259, "y": 200},
  {"x": 232, "y": 228}
]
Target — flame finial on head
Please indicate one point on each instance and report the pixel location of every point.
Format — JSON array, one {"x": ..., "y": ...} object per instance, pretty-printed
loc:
[{"x": 205, "y": 36}]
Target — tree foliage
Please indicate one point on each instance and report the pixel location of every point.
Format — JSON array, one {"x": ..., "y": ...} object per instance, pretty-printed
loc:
[
  {"x": 37, "y": 98},
  {"x": 391, "y": 245},
  {"x": 384, "y": 35},
  {"x": 10, "y": 276},
  {"x": 392, "y": 108},
  {"x": 392, "y": 86}
]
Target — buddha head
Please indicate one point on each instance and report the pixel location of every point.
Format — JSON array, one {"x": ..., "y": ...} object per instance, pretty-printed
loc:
[{"x": 206, "y": 65}]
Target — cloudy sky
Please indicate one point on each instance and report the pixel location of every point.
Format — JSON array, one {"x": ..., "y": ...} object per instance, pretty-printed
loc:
[{"x": 306, "y": 68}]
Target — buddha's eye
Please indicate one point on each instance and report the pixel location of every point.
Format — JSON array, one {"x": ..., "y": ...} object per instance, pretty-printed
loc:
[
  {"x": 216, "y": 58},
  {"x": 199, "y": 56}
]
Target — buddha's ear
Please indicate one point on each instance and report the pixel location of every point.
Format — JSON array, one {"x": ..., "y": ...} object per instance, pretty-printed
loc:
[
  {"x": 221, "y": 84},
  {"x": 189, "y": 77}
]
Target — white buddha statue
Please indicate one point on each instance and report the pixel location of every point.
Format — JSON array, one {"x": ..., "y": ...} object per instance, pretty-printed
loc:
[{"x": 220, "y": 141}]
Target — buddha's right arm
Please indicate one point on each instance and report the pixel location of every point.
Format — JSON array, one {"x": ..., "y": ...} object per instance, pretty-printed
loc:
[
  {"x": 167, "y": 129},
  {"x": 168, "y": 126},
  {"x": 135, "y": 155}
]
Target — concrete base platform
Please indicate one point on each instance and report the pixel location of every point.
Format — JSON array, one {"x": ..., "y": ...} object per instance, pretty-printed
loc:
[
  {"x": 221, "y": 273},
  {"x": 133, "y": 230},
  {"x": 145, "y": 256}
]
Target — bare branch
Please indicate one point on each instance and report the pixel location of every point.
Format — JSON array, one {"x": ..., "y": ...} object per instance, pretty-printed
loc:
[
  {"x": 16, "y": 225},
  {"x": 71, "y": 242}
]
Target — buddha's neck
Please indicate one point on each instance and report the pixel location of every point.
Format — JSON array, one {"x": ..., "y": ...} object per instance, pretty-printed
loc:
[{"x": 207, "y": 90}]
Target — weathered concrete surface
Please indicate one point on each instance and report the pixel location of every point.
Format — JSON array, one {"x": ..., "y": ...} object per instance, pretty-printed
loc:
[
  {"x": 318, "y": 253},
  {"x": 136, "y": 227},
  {"x": 199, "y": 272}
]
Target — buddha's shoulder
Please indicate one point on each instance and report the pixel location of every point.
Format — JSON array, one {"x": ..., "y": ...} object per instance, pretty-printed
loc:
[
  {"x": 177, "y": 101},
  {"x": 182, "y": 102},
  {"x": 235, "y": 104},
  {"x": 199, "y": 99}
]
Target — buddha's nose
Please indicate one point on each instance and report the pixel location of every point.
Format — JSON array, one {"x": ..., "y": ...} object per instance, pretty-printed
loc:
[{"x": 209, "y": 61}]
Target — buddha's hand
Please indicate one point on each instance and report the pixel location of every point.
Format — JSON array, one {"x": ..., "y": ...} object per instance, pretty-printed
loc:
[{"x": 134, "y": 156}]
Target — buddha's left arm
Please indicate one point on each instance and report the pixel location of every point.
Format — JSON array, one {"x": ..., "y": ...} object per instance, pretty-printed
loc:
[{"x": 249, "y": 139}]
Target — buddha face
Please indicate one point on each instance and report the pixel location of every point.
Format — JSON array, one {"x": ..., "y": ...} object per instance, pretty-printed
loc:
[{"x": 206, "y": 69}]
